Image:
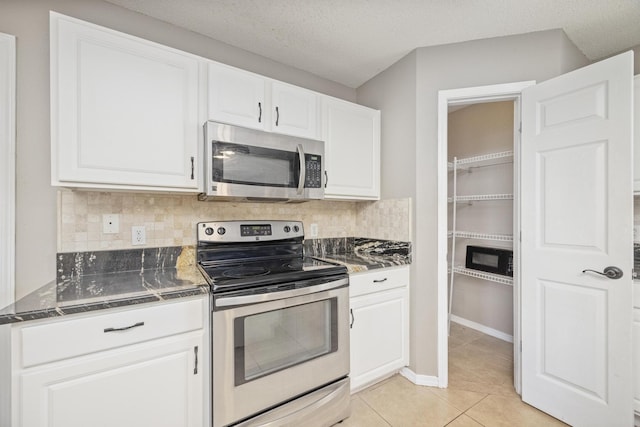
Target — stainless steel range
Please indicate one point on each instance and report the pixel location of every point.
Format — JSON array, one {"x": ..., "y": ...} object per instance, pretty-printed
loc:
[{"x": 280, "y": 327}]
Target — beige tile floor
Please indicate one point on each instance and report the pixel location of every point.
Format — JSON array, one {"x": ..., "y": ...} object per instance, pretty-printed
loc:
[{"x": 480, "y": 392}]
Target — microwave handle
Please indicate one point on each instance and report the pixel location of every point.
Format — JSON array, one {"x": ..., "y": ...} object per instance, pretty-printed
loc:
[{"x": 303, "y": 169}]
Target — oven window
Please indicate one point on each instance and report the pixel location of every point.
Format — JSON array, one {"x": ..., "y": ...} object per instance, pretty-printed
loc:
[{"x": 275, "y": 340}]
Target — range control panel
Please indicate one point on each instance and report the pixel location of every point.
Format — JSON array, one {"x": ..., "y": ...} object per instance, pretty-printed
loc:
[{"x": 246, "y": 231}]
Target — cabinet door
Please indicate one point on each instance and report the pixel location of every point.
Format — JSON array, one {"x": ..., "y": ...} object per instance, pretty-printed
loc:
[
  {"x": 352, "y": 149},
  {"x": 379, "y": 335},
  {"x": 124, "y": 111},
  {"x": 294, "y": 111},
  {"x": 159, "y": 383},
  {"x": 236, "y": 97}
]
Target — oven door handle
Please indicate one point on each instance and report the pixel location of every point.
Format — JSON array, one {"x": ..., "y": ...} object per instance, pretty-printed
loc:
[
  {"x": 272, "y": 296},
  {"x": 303, "y": 169}
]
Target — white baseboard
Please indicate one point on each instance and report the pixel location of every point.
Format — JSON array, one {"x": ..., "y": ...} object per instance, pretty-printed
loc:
[
  {"x": 426, "y": 380},
  {"x": 482, "y": 328}
]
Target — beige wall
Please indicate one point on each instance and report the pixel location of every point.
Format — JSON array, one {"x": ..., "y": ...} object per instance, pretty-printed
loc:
[
  {"x": 36, "y": 200},
  {"x": 534, "y": 56},
  {"x": 170, "y": 220},
  {"x": 476, "y": 130}
]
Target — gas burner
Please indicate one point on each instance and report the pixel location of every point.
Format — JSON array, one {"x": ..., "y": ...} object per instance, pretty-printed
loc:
[{"x": 243, "y": 272}]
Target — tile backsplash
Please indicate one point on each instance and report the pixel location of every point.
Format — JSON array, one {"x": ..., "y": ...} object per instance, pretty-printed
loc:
[{"x": 170, "y": 220}]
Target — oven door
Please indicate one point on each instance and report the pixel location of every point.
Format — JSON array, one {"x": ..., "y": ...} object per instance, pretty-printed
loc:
[{"x": 267, "y": 353}]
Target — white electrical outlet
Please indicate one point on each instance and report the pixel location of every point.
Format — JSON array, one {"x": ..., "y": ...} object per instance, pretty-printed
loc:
[
  {"x": 313, "y": 230},
  {"x": 138, "y": 235},
  {"x": 110, "y": 223}
]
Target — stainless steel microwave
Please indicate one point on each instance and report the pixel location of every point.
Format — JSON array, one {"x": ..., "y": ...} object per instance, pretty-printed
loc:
[{"x": 252, "y": 165}]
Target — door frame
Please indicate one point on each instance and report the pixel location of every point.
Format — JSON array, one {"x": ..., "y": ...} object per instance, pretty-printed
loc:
[
  {"x": 7, "y": 167},
  {"x": 468, "y": 96}
]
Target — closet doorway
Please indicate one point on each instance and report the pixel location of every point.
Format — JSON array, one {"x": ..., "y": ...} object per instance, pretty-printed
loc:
[{"x": 479, "y": 141}]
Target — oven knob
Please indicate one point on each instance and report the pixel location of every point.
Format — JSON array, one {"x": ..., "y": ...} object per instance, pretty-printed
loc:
[
  {"x": 287, "y": 229},
  {"x": 221, "y": 230},
  {"x": 296, "y": 228},
  {"x": 208, "y": 231}
]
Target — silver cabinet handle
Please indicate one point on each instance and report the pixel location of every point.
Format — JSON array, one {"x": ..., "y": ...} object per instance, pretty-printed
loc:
[
  {"x": 195, "y": 355},
  {"x": 610, "y": 272},
  {"x": 259, "y": 112},
  {"x": 353, "y": 319},
  {"x": 135, "y": 325},
  {"x": 277, "y": 116}
]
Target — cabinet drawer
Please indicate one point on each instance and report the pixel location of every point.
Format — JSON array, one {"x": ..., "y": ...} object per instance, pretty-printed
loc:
[
  {"x": 49, "y": 342},
  {"x": 378, "y": 280}
]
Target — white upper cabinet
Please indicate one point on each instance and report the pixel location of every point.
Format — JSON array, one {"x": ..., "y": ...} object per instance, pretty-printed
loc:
[
  {"x": 124, "y": 111},
  {"x": 237, "y": 97},
  {"x": 242, "y": 98},
  {"x": 352, "y": 150},
  {"x": 294, "y": 111}
]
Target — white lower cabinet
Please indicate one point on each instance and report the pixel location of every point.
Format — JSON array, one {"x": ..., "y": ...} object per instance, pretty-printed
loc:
[
  {"x": 145, "y": 375},
  {"x": 379, "y": 308}
]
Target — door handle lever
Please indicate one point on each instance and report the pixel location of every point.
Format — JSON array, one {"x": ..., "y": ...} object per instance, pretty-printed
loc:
[{"x": 610, "y": 272}]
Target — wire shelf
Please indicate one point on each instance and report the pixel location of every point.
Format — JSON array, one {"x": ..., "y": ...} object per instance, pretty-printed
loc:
[
  {"x": 481, "y": 236},
  {"x": 505, "y": 280},
  {"x": 481, "y": 197},
  {"x": 484, "y": 158}
]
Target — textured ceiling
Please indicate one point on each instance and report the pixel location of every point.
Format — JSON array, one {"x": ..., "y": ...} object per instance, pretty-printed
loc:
[{"x": 350, "y": 41}]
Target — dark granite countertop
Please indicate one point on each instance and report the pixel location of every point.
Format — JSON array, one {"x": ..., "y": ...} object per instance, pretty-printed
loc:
[
  {"x": 361, "y": 254},
  {"x": 89, "y": 281}
]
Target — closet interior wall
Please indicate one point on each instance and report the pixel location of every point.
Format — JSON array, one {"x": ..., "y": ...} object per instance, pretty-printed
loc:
[{"x": 475, "y": 130}]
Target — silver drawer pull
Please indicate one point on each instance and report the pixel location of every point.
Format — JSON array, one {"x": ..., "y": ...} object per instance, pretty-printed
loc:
[
  {"x": 380, "y": 280},
  {"x": 124, "y": 328}
]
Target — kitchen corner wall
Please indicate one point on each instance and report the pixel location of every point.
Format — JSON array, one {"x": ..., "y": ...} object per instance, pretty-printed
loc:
[{"x": 170, "y": 220}]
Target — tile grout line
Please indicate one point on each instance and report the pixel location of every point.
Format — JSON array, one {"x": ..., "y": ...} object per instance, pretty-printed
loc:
[{"x": 376, "y": 412}]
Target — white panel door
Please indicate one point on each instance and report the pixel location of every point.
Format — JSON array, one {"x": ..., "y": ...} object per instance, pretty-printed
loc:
[
  {"x": 352, "y": 149},
  {"x": 379, "y": 335},
  {"x": 577, "y": 214},
  {"x": 124, "y": 111},
  {"x": 294, "y": 111},
  {"x": 159, "y": 383},
  {"x": 237, "y": 97}
]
